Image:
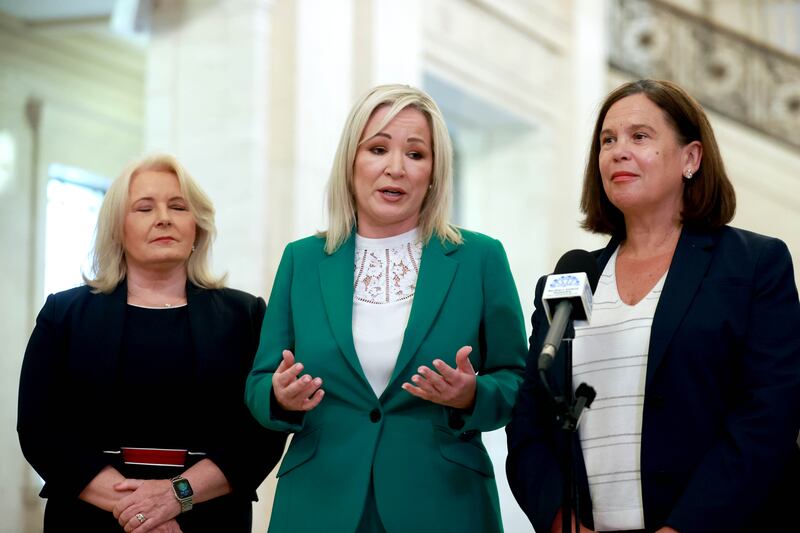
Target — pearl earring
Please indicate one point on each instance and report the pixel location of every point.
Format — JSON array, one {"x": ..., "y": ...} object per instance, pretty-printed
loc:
[{"x": 688, "y": 174}]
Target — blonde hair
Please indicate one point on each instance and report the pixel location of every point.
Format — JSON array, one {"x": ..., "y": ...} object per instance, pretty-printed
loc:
[
  {"x": 109, "y": 267},
  {"x": 434, "y": 215}
]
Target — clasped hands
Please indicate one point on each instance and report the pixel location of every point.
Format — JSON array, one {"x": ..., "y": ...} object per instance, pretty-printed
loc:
[
  {"x": 152, "y": 499},
  {"x": 448, "y": 386}
]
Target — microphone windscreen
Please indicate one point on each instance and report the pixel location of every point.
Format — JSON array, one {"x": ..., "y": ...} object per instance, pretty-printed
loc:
[{"x": 579, "y": 261}]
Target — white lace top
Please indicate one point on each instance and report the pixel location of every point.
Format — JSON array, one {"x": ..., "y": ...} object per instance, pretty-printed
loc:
[{"x": 385, "y": 278}]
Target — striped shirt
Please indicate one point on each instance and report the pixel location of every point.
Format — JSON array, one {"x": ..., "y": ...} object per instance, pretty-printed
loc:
[{"x": 611, "y": 356}]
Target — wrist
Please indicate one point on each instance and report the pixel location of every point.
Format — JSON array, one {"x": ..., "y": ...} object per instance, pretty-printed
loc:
[{"x": 183, "y": 493}]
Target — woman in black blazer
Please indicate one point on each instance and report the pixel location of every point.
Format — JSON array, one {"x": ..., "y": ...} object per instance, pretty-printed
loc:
[
  {"x": 131, "y": 395},
  {"x": 693, "y": 345}
]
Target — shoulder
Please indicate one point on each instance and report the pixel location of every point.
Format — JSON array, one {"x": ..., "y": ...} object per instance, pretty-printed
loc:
[
  {"x": 232, "y": 298},
  {"x": 80, "y": 306},
  {"x": 747, "y": 240},
  {"x": 235, "y": 296},
  {"x": 72, "y": 295},
  {"x": 306, "y": 248},
  {"x": 311, "y": 243},
  {"x": 474, "y": 238},
  {"x": 476, "y": 243},
  {"x": 742, "y": 247},
  {"x": 71, "y": 300}
]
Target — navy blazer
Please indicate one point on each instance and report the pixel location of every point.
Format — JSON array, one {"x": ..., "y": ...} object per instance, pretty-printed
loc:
[
  {"x": 66, "y": 412},
  {"x": 722, "y": 396}
]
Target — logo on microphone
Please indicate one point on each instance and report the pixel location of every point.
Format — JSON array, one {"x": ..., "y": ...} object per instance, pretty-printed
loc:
[
  {"x": 572, "y": 286},
  {"x": 564, "y": 281}
]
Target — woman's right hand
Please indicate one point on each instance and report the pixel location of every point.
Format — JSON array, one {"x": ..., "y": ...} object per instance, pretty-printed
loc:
[{"x": 292, "y": 392}]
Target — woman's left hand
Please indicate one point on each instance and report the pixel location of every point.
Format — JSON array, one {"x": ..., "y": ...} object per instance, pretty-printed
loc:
[
  {"x": 451, "y": 387},
  {"x": 153, "y": 499}
]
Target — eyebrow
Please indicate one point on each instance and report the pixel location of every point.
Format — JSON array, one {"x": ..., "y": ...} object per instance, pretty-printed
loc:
[
  {"x": 631, "y": 127},
  {"x": 384, "y": 134},
  {"x": 151, "y": 199}
]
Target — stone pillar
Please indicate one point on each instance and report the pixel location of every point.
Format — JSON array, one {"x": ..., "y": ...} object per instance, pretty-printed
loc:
[{"x": 207, "y": 93}]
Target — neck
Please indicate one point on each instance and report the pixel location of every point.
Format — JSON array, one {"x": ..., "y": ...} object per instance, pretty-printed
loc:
[
  {"x": 646, "y": 238},
  {"x": 156, "y": 288}
]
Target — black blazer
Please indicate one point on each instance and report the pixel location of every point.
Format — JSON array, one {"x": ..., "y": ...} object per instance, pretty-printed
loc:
[
  {"x": 722, "y": 396},
  {"x": 66, "y": 414}
]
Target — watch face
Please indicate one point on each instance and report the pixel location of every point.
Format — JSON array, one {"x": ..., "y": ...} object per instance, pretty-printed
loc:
[{"x": 182, "y": 488}]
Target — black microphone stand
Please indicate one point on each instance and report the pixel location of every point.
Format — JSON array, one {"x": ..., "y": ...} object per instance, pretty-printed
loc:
[{"x": 569, "y": 408}]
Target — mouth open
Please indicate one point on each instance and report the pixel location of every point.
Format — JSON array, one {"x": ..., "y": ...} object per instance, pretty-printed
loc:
[{"x": 391, "y": 192}]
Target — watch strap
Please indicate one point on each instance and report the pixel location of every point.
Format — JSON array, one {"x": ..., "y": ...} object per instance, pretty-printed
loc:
[{"x": 186, "y": 500}]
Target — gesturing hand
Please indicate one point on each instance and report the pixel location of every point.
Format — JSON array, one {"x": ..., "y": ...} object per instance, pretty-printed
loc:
[
  {"x": 293, "y": 393},
  {"x": 452, "y": 387}
]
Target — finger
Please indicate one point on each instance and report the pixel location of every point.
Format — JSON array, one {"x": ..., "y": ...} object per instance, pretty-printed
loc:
[
  {"x": 433, "y": 378},
  {"x": 287, "y": 360},
  {"x": 288, "y": 376},
  {"x": 314, "y": 400},
  {"x": 148, "y": 525},
  {"x": 303, "y": 388},
  {"x": 128, "y": 484},
  {"x": 425, "y": 385},
  {"x": 462, "y": 359},
  {"x": 416, "y": 391},
  {"x": 153, "y": 521},
  {"x": 128, "y": 514},
  {"x": 447, "y": 372},
  {"x": 120, "y": 507}
]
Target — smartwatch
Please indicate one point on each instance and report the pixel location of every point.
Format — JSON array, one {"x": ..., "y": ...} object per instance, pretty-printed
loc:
[{"x": 183, "y": 492}]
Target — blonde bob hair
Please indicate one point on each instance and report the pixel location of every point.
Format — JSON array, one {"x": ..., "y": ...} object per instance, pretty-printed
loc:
[
  {"x": 109, "y": 266},
  {"x": 434, "y": 217}
]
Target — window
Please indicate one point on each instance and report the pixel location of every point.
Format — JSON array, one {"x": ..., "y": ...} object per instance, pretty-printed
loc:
[{"x": 73, "y": 203}]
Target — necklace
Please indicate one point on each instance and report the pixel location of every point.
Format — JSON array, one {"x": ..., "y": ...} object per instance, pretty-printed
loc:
[{"x": 148, "y": 302}]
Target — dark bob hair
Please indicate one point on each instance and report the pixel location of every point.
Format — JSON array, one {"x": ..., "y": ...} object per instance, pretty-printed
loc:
[{"x": 709, "y": 200}]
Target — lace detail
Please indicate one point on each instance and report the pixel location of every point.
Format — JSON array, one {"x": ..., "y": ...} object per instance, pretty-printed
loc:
[{"x": 386, "y": 272}]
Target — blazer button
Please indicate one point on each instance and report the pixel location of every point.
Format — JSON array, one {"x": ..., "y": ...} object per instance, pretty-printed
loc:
[
  {"x": 468, "y": 435},
  {"x": 375, "y": 415}
]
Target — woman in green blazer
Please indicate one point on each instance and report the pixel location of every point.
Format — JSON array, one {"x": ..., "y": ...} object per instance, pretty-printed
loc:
[{"x": 388, "y": 350}]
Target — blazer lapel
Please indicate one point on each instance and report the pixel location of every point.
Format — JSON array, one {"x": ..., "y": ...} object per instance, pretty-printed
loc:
[
  {"x": 107, "y": 320},
  {"x": 689, "y": 265},
  {"x": 336, "y": 282},
  {"x": 605, "y": 254},
  {"x": 435, "y": 276},
  {"x": 202, "y": 317}
]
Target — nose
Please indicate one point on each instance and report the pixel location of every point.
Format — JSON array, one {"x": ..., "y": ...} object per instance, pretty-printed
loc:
[
  {"x": 164, "y": 220},
  {"x": 620, "y": 152},
  {"x": 395, "y": 167}
]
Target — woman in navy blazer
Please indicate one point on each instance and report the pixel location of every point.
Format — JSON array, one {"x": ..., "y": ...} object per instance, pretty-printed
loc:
[
  {"x": 151, "y": 354},
  {"x": 719, "y": 405}
]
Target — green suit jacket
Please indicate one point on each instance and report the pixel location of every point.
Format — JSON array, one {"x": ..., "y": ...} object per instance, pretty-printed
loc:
[{"x": 430, "y": 469}]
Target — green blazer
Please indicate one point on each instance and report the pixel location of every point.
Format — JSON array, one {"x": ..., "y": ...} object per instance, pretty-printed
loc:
[{"x": 430, "y": 469}]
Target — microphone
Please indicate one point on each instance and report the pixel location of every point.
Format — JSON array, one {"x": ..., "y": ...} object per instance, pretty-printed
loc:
[{"x": 568, "y": 291}]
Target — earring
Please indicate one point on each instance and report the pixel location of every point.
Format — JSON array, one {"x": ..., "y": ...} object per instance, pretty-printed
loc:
[
  {"x": 688, "y": 174},
  {"x": 194, "y": 247}
]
